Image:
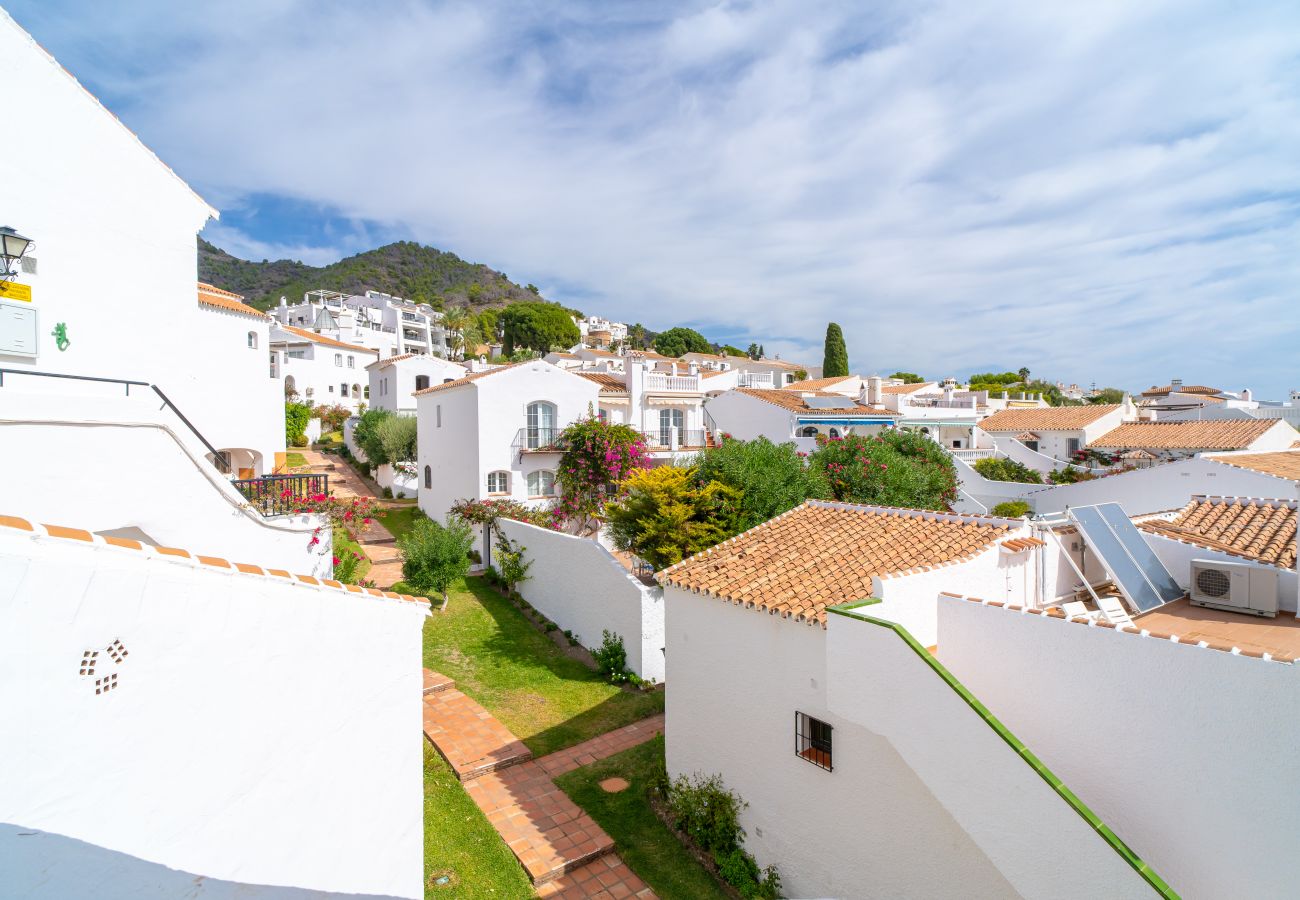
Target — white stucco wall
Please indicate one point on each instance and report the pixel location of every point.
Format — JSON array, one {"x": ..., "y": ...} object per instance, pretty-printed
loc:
[
  {"x": 1187, "y": 753},
  {"x": 870, "y": 828},
  {"x": 745, "y": 417},
  {"x": 250, "y": 412},
  {"x": 392, "y": 384},
  {"x": 104, "y": 462},
  {"x": 1040, "y": 844},
  {"x": 1178, "y": 556},
  {"x": 400, "y": 484},
  {"x": 579, "y": 585},
  {"x": 261, "y": 731}
]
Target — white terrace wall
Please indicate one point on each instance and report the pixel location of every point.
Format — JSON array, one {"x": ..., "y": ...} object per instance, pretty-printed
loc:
[
  {"x": 1178, "y": 555},
  {"x": 1187, "y": 753},
  {"x": 261, "y": 731},
  {"x": 105, "y": 463},
  {"x": 579, "y": 585}
]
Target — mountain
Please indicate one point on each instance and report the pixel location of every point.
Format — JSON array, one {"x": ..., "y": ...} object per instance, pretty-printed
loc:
[{"x": 405, "y": 269}]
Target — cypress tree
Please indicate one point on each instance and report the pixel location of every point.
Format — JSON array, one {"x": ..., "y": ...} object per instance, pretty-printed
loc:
[{"x": 835, "y": 361}]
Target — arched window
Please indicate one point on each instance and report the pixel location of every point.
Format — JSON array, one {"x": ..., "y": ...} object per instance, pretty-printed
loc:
[
  {"x": 421, "y": 382},
  {"x": 541, "y": 483},
  {"x": 835, "y": 433},
  {"x": 356, "y": 392},
  {"x": 541, "y": 425},
  {"x": 808, "y": 431},
  {"x": 428, "y": 477},
  {"x": 498, "y": 482},
  {"x": 252, "y": 340}
]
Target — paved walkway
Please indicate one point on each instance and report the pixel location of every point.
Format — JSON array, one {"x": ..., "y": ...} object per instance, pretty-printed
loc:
[
  {"x": 565, "y": 853},
  {"x": 377, "y": 543}
]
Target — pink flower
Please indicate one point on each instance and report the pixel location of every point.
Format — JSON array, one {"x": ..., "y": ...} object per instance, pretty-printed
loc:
[{"x": 335, "y": 560}]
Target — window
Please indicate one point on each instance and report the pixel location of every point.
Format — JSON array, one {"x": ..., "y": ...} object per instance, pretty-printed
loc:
[
  {"x": 808, "y": 431},
  {"x": 541, "y": 425},
  {"x": 331, "y": 390},
  {"x": 1032, "y": 445},
  {"x": 421, "y": 382},
  {"x": 1072, "y": 446},
  {"x": 812, "y": 740},
  {"x": 352, "y": 362},
  {"x": 541, "y": 483},
  {"x": 367, "y": 390},
  {"x": 252, "y": 340},
  {"x": 498, "y": 482},
  {"x": 343, "y": 389},
  {"x": 428, "y": 477},
  {"x": 437, "y": 411},
  {"x": 338, "y": 359},
  {"x": 835, "y": 433},
  {"x": 669, "y": 419}
]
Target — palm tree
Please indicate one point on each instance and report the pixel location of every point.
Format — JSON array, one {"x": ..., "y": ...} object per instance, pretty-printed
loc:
[
  {"x": 454, "y": 321},
  {"x": 1024, "y": 374}
]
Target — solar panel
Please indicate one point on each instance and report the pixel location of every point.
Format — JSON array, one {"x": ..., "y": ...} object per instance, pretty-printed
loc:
[
  {"x": 1138, "y": 572},
  {"x": 829, "y": 402}
]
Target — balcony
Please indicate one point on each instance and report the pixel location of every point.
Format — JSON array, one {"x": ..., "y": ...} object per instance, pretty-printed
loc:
[
  {"x": 668, "y": 439},
  {"x": 970, "y": 455},
  {"x": 657, "y": 381},
  {"x": 755, "y": 380},
  {"x": 536, "y": 440},
  {"x": 282, "y": 495}
]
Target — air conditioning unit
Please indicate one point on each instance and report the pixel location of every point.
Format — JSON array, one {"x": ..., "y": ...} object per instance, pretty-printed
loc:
[{"x": 1237, "y": 587}]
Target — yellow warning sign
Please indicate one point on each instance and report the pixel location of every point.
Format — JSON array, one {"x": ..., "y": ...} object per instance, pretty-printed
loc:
[{"x": 10, "y": 290}]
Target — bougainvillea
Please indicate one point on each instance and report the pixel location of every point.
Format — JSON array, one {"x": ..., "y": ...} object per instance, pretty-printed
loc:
[
  {"x": 486, "y": 512},
  {"x": 895, "y": 468},
  {"x": 596, "y": 457}
]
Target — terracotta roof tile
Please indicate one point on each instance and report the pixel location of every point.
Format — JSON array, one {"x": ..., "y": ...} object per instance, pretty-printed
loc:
[
  {"x": 471, "y": 377},
  {"x": 1255, "y": 529},
  {"x": 609, "y": 384},
  {"x": 906, "y": 388},
  {"x": 389, "y": 360},
  {"x": 230, "y": 302},
  {"x": 1280, "y": 464},
  {"x": 327, "y": 341},
  {"x": 817, "y": 384},
  {"x": 1230, "y": 434},
  {"x": 1167, "y": 389},
  {"x": 1052, "y": 418},
  {"x": 794, "y": 402},
  {"x": 820, "y": 554}
]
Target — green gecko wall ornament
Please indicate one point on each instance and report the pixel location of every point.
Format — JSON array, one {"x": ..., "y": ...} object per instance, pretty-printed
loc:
[{"x": 60, "y": 335}]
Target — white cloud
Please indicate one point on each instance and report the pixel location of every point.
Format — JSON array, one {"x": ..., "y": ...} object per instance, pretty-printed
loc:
[{"x": 1103, "y": 191}]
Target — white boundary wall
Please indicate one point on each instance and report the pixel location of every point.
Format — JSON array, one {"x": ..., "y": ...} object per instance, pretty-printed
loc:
[
  {"x": 579, "y": 585},
  {"x": 1178, "y": 555},
  {"x": 1187, "y": 753},
  {"x": 261, "y": 731}
]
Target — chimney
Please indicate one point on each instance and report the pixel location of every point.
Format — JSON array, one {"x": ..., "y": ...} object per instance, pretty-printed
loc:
[
  {"x": 1246, "y": 394},
  {"x": 1175, "y": 384},
  {"x": 874, "y": 394}
]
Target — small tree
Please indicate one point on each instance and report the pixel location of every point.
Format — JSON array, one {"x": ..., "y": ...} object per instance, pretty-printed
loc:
[
  {"x": 676, "y": 341},
  {"x": 1023, "y": 373},
  {"x": 434, "y": 556},
  {"x": 366, "y": 435},
  {"x": 596, "y": 456},
  {"x": 835, "y": 360},
  {"x": 1012, "y": 509},
  {"x": 908, "y": 377},
  {"x": 396, "y": 437},
  {"x": 331, "y": 417},
  {"x": 538, "y": 326},
  {"x": 896, "y": 468},
  {"x": 664, "y": 516},
  {"x": 296, "y": 417},
  {"x": 769, "y": 478}
]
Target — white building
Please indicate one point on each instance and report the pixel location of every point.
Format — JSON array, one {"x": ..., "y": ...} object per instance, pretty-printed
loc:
[
  {"x": 319, "y": 369},
  {"x": 601, "y": 334},
  {"x": 1056, "y": 432},
  {"x": 393, "y": 380},
  {"x": 1164, "y": 441},
  {"x": 665, "y": 403},
  {"x": 844, "y": 725},
  {"x": 387, "y": 324},
  {"x": 94, "y": 200},
  {"x": 492, "y": 434},
  {"x": 791, "y": 415},
  {"x": 174, "y": 729}
]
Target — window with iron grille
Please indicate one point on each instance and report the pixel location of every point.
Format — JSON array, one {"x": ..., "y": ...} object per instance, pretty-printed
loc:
[{"x": 812, "y": 740}]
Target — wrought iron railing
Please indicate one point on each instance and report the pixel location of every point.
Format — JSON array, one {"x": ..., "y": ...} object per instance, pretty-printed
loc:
[
  {"x": 282, "y": 495},
  {"x": 537, "y": 440},
  {"x": 687, "y": 438}
]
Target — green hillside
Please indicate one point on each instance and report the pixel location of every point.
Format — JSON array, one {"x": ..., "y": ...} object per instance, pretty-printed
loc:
[{"x": 405, "y": 269}]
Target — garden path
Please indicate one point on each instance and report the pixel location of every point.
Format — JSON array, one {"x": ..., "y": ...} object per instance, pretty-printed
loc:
[
  {"x": 563, "y": 850},
  {"x": 378, "y": 544}
]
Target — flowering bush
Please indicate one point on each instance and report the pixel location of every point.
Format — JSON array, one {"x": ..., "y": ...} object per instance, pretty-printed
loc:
[
  {"x": 345, "y": 566},
  {"x": 596, "y": 456},
  {"x": 895, "y": 468},
  {"x": 331, "y": 417},
  {"x": 771, "y": 478},
  {"x": 486, "y": 512}
]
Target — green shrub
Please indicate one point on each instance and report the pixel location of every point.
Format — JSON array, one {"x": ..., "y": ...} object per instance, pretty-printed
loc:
[
  {"x": 894, "y": 468},
  {"x": 299, "y": 441},
  {"x": 999, "y": 468},
  {"x": 611, "y": 658},
  {"x": 664, "y": 515},
  {"x": 709, "y": 815},
  {"x": 433, "y": 555},
  {"x": 366, "y": 437},
  {"x": 296, "y": 417},
  {"x": 345, "y": 566},
  {"x": 770, "y": 478},
  {"x": 510, "y": 561},
  {"x": 396, "y": 438},
  {"x": 1012, "y": 509},
  {"x": 1069, "y": 475}
]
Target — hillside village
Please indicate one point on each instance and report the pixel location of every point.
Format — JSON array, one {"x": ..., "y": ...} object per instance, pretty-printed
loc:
[{"x": 344, "y": 593}]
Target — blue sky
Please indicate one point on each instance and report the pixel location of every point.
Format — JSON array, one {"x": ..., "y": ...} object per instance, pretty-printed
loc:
[{"x": 1102, "y": 192}]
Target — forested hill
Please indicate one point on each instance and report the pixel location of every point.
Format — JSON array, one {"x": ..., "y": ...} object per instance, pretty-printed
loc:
[{"x": 405, "y": 269}]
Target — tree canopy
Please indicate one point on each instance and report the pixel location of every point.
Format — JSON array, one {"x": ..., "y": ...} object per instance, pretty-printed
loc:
[
  {"x": 679, "y": 340},
  {"x": 537, "y": 326},
  {"x": 769, "y": 478},
  {"x": 908, "y": 377},
  {"x": 835, "y": 361},
  {"x": 1107, "y": 395},
  {"x": 896, "y": 468},
  {"x": 664, "y": 515}
]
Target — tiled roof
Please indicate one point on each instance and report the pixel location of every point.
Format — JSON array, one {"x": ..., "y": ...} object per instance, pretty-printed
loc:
[
  {"x": 472, "y": 376},
  {"x": 1052, "y": 418},
  {"x": 906, "y": 388},
  {"x": 821, "y": 554},
  {"x": 173, "y": 554},
  {"x": 779, "y": 363},
  {"x": 389, "y": 360},
  {"x": 1280, "y": 464},
  {"x": 327, "y": 341},
  {"x": 794, "y": 402},
  {"x": 609, "y": 384},
  {"x": 714, "y": 373},
  {"x": 219, "y": 299},
  {"x": 1164, "y": 390},
  {"x": 1230, "y": 434},
  {"x": 1260, "y": 530},
  {"x": 817, "y": 384}
]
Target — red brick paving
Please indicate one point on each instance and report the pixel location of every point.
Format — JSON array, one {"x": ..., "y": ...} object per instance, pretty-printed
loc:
[{"x": 565, "y": 853}]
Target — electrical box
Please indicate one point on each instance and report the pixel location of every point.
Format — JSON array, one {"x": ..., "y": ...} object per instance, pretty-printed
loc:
[{"x": 17, "y": 329}]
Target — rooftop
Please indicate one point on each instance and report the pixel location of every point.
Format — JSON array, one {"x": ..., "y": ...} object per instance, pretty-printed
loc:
[
  {"x": 818, "y": 384},
  {"x": 906, "y": 388},
  {"x": 1280, "y": 464},
  {"x": 1167, "y": 389},
  {"x": 821, "y": 554},
  {"x": 389, "y": 360},
  {"x": 1259, "y": 530},
  {"x": 326, "y": 341},
  {"x": 471, "y": 377},
  {"x": 1051, "y": 418},
  {"x": 609, "y": 384},
  {"x": 794, "y": 401},
  {"x": 230, "y": 302},
  {"x": 1279, "y": 637},
  {"x": 1229, "y": 434}
]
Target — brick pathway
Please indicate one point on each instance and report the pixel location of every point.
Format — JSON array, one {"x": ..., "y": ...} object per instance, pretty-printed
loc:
[
  {"x": 377, "y": 542},
  {"x": 565, "y": 853}
]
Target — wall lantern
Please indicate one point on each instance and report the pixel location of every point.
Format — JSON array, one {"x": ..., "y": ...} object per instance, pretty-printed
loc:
[{"x": 12, "y": 247}]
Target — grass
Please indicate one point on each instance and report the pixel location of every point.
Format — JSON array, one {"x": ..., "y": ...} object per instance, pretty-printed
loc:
[
  {"x": 459, "y": 841},
  {"x": 330, "y": 439},
  {"x": 344, "y": 543},
  {"x": 496, "y": 656},
  {"x": 644, "y": 842},
  {"x": 399, "y": 520},
  {"x": 294, "y": 460}
]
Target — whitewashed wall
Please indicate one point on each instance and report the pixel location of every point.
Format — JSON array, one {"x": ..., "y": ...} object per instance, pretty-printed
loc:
[
  {"x": 745, "y": 417},
  {"x": 400, "y": 484},
  {"x": 1178, "y": 555},
  {"x": 579, "y": 585},
  {"x": 1040, "y": 844},
  {"x": 1187, "y": 753},
  {"x": 261, "y": 732},
  {"x": 105, "y": 462}
]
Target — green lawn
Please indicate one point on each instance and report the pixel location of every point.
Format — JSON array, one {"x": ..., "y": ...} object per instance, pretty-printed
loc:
[
  {"x": 343, "y": 543},
  {"x": 461, "y": 843},
  {"x": 399, "y": 520},
  {"x": 497, "y": 657},
  {"x": 645, "y": 844},
  {"x": 294, "y": 460}
]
